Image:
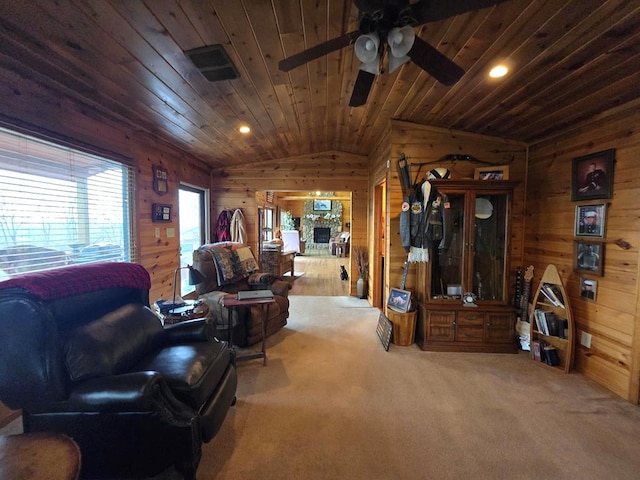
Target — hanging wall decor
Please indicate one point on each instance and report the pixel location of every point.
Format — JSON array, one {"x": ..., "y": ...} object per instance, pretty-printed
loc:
[{"x": 160, "y": 184}]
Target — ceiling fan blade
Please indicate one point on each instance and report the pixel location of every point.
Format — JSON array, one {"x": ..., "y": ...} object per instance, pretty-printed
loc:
[
  {"x": 435, "y": 63},
  {"x": 361, "y": 89},
  {"x": 426, "y": 11},
  {"x": 318, "y": 51}
]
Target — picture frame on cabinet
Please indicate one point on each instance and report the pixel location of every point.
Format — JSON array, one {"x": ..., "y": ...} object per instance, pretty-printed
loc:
[
  {"x": 398, "y": 300},
  {"x": 588, "y": 257},
  {"x": 590, "y": 220},
  {"x": 592, "y": 176},
  {"x": 497, "y": 172}
]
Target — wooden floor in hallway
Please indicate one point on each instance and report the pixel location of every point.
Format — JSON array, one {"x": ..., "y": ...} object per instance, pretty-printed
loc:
[{"x": 319, "y": 274}]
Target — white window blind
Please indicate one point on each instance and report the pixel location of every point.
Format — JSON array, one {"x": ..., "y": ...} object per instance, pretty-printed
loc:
[{"x": 60, "y": 206}]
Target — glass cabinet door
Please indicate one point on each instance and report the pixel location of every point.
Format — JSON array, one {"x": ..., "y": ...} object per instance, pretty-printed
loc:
[
  {"x": 475, "y": 261},
  {"x": 447, "y": 267},
  {"x": 488, "y": 248}
]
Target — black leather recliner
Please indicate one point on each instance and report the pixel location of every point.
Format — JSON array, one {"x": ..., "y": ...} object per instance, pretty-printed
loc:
[{"x": 82, "y": 354}]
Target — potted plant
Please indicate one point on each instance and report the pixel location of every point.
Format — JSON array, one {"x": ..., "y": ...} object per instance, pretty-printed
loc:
[{"x": 361, "y": 255}]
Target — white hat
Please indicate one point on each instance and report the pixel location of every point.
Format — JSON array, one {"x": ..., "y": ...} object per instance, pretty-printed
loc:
[
  {"x": 439, "y": 172},
  {"x": 589, "y": 282},
  {"x": 590, "y": 213}
]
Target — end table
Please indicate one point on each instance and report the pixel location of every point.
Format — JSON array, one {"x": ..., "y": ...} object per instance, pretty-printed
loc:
[{"x": 231, "y": 301}]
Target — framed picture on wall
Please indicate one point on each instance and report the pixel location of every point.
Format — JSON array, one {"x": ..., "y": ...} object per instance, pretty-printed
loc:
[
  {"x": 588, "y": 257},
  {"x": 322, "y": 205},
  {"x": 590, "y": 220},
  {"x": 592, "y": 176},
  {"x": 588, "y": 288},
  {"x": 499, "y": 172}
]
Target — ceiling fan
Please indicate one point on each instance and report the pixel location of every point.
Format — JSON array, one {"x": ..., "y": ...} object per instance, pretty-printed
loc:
[{"x": 392, "y": 22}]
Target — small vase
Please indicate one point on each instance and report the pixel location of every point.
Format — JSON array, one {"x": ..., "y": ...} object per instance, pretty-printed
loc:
[{"x": 360, "y": 288}]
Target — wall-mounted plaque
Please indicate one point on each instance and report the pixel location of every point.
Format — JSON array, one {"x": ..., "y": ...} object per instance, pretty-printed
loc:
[
  {"x": 161, "y": 212},
  {"x": 160, "y": 184}
]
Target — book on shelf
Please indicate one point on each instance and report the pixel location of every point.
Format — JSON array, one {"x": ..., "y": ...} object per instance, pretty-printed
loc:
[
  {"x": 550, "y": 354},
  {"x": 553, "y": 294},
  {"x": 536, "y": 348},
  {"x": 541, "y": 321},
  {"x": 553, "y": 325}
]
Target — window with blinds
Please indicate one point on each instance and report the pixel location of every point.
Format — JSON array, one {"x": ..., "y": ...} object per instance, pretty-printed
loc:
[{"x": 60, "y": 206}]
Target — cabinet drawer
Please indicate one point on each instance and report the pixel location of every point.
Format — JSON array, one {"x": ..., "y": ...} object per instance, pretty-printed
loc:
[
  {"x": 472, "y": 319},
  {"x": 469, "y": 334}
]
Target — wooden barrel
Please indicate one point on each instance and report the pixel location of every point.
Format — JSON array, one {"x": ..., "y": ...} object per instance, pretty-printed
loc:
[{"x": 404, "y": 327}]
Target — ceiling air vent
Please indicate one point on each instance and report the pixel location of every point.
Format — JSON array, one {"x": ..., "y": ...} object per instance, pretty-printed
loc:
[{"x": 213, "y": 62}]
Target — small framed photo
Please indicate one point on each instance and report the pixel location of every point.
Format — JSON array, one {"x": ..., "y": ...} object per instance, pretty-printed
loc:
[
  {"x": 592, "y": 176},
  {"x": 588, "y": 288},
  {"x": 588, "y": 257},
  {"x": 398, "y": 300},
  {"x": 499, "y": 172},
  {"x": 590, "y": 220}
]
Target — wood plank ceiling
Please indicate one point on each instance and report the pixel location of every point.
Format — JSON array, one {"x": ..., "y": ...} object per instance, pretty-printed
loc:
[{"x": 123, "y": 60}]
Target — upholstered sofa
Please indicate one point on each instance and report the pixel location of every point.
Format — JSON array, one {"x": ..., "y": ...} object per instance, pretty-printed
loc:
[
  {"x": 229, "y": 268},
  {"x": 83, "y": 355}
]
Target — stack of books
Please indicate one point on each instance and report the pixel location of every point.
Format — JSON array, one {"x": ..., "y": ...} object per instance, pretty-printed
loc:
[
  {"x": 548, "y": 324},
  {"x": 552, "y": 293}
]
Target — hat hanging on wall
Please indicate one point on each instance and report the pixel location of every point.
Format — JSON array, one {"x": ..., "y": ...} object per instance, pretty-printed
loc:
[{"x": 439, "y": 172}]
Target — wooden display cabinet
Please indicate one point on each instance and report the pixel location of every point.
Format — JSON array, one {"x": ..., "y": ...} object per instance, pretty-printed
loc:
[{"x": 477, "y": 264}]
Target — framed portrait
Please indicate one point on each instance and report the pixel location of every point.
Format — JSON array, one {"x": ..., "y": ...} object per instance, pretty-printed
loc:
[
  {"x": 588, "y": 288},
  {"x": 588, "y": 257},
  {"x": 592, "y": 176},
  {"x": 322, "y": 205},
  {"x": 590, "y": 220},
  {"x": 499, "y": 172},
  {"x": 398, "y": 300}
]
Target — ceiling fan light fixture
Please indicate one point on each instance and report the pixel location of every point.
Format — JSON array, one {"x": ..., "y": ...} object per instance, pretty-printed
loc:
[
  {"x": 366, "y": 47},
  {"x": 396, "y": 62},
  {"x": 244, "y": 129},
  {"x": 401, "y": 40}
]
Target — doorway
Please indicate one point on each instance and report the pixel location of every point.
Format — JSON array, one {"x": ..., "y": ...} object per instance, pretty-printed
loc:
[{"x": 379, "y": 243}]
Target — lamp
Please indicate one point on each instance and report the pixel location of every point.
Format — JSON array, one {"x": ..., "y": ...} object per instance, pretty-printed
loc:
[{"x": 195, "y": 277}]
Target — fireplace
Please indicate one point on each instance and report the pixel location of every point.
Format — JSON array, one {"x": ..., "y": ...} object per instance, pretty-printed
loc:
[{"x": 321, "y": 234}]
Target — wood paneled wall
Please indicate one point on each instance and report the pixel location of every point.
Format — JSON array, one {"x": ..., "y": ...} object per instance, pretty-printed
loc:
[
  {"x": 424, "y": 144},
  {"x": 328, "y": 171},
  {"x": 612, "y": 319}
]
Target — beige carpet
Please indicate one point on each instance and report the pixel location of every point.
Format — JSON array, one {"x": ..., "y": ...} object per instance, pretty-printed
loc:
[{"x": 332, "y": 404}]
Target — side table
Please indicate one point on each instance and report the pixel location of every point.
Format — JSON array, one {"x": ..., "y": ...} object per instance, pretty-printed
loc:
[
  {"x": 39, "y": 455},
  {"x": 231, "y": 301},
  {"x": 190, "y": 311}
]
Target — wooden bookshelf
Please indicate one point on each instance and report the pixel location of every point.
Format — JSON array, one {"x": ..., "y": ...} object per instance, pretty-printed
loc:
[{"x": 562, "y": 343}]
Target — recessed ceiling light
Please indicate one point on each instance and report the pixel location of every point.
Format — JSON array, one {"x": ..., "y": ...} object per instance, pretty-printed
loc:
[
  {"x": 244, "y": 129},
  {"x": 498, "y": 71}
]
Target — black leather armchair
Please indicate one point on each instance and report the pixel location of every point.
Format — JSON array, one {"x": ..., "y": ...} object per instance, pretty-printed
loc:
[{"x": 82, "y": 354}]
